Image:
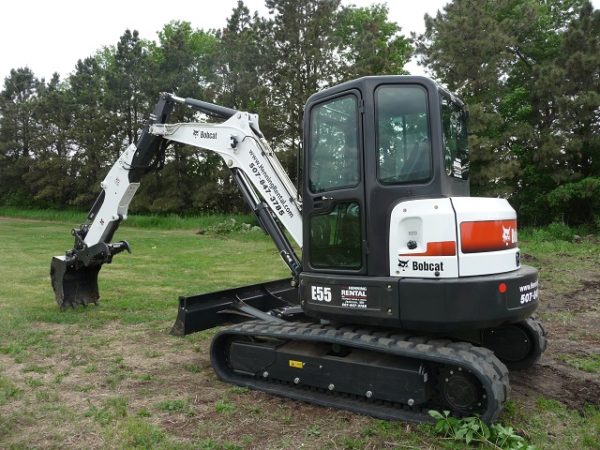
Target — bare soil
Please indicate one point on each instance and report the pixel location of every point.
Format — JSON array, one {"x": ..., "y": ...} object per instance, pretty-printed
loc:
[{"x": 572, "y": 321}]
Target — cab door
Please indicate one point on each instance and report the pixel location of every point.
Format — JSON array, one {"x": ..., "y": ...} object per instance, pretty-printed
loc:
[{"x": 334, "y": 196}]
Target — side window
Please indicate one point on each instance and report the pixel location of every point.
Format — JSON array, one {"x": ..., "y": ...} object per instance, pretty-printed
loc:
[
  {"x": 333, "y": 149},
  {"x": 403, "y": 142},
  {"x": 456, "y": 149},
  {"x": 335, "y": 238}
]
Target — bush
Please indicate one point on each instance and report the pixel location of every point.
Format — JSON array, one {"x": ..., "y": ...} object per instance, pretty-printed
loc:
[
  {"x": 472, "y": 430},
  {"x": 576, "y": 203},
  {"x": 560, "y": 231},
  {"x": 231, "y": 226}
]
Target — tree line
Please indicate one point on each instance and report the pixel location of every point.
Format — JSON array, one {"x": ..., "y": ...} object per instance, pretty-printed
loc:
[{"x": 529, "y": 71}]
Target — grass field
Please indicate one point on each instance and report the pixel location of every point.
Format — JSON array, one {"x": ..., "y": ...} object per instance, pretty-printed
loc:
[{"x": 112, "y": 377}]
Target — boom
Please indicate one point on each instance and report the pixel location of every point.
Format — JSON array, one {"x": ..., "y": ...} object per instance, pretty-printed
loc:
[
  {"x": 264, "y": 184},
  {"x": 243, "y": 149}
]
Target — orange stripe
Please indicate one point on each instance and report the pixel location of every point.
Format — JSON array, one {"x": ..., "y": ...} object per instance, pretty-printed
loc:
[
  {"x": 444, "y": 248},
  {"x": 488, "y": 236}
]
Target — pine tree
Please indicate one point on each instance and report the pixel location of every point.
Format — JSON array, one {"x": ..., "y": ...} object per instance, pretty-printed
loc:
[
  {"x": 18, "y": 133},
  {"x": 507, "y": 60}
]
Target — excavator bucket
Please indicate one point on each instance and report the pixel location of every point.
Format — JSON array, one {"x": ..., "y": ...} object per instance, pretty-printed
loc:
[{"x": 74, "y": 284}]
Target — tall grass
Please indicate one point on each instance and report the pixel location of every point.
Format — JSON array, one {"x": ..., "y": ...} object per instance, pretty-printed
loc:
[{"x": 153, "y": 221}]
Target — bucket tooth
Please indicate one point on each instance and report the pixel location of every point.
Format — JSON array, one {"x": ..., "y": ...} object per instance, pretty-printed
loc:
[{"x": 74, "y": 284}]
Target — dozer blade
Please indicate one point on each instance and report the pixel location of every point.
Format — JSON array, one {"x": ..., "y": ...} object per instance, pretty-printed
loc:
[
  {"x": 204, "y": 311},
  {"x": 74, "y": 284}
]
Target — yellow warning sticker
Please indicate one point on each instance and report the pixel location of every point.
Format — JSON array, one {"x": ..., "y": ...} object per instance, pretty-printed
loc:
[{"x": 296, "y": 364}]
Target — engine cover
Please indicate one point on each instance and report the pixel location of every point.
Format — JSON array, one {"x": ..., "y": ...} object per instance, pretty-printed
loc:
[{"x": 453, "y": 237}]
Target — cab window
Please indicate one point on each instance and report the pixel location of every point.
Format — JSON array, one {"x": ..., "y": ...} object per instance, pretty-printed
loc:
[
  {"x": 403, "y": 141},
  {"x": 456, "y": 149},
  {"x": 333, "y": 148}
]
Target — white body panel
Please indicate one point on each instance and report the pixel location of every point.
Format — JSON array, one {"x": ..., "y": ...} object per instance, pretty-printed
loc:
[
  {"x": 470, "y": 209},
  {"x": 437, "y": 221},
  {"x": 422, "y": 221}
]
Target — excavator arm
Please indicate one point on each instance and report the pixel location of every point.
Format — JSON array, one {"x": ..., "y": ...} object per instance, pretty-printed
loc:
[{"x": 264, "y": 185}]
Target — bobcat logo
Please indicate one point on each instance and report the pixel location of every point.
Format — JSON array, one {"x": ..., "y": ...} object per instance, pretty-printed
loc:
[
  {"x": 508, "y": 235},
  {"x": 196, "y": 133},
  {"x": 403, "y": 264}
]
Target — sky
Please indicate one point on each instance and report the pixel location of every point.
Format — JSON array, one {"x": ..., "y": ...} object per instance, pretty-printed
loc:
[{"x": 50, "y": 36}]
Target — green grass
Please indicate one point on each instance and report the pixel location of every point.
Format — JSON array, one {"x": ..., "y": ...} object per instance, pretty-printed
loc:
[
  {"x": 561, "y": 262},
  {"x": 171, "y": 405},
  {"x": 151, "y": 221},
  {"x": 113, "y": 377},
  {"x": 85, "y": 353},
  {"x": 111, "y": 410},
  {"x": 164, "y": 264},
  {"x": 191, "y": 367},
  {"x": 224, "y": 407},
  {"x": 136, "y": 433},
  {"x": 590, "y": 364},
  {"x": 8, "y": 391}
]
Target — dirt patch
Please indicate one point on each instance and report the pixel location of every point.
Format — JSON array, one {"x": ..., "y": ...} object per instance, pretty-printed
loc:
[
  {"x": 573, "y": 324},
  {"x": 556, "y": 383},
  {"x": 583, "y": 298}
]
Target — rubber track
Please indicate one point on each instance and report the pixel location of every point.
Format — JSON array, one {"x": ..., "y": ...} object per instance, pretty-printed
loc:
[
  {"x": 492, "y": 374},
  {"x": 542, "y": 335}
]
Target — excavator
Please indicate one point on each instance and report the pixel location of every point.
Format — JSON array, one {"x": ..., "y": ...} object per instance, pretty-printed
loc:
[{"x": 409, "y": 294}]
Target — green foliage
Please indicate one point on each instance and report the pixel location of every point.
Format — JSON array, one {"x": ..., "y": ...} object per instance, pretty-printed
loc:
[
  {"x": 528, "y": 72},
  {"x": 371, "y": 44},
  {"x": 191, "y": 367},
  {"x": 577, "y": 202},
  {"x": 470, "y": 430},
  {"x": 560, "y": 231},
  {"x": 143, "y": 412},
  {"x": 136, "y": 433},
  {"x": 315, "y": 430},
  {"x": 232, "y": 226},
  {"x": 556, "y": 231}
]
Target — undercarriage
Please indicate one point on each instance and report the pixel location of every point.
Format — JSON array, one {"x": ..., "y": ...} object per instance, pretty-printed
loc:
[{"x": 388, "y": 373}]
